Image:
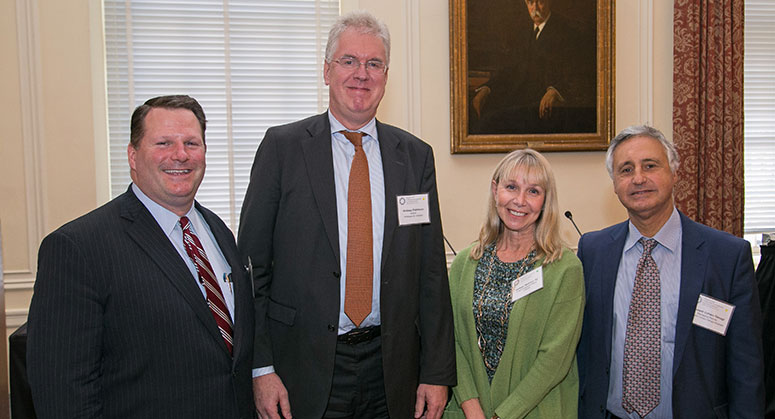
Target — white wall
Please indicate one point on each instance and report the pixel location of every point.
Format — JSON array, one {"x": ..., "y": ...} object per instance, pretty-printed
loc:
[
  {"x": 418, "y": 99},
  {"x": 52, "y": 126}
]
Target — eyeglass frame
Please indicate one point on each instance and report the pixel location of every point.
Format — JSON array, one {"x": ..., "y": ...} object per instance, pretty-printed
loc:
[{"x": 383, "y": 70}]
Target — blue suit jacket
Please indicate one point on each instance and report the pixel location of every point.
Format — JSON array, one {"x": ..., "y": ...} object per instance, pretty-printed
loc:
[{"x": 713, "y": 375}]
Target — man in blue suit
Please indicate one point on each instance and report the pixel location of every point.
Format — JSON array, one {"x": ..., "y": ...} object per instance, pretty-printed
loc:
[{"x": 705, "y": 358}]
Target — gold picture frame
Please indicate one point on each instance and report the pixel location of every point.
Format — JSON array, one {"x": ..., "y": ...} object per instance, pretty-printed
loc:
[{"x": 490, "y": 52}]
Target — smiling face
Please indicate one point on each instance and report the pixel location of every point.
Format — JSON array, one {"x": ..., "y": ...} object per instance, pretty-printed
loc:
[
  {"x": 518, "y": 201},
  {"x": 354, "y": 95},
  {"x": 643, "y": 180},
  {"x": 168, "y": 163}
]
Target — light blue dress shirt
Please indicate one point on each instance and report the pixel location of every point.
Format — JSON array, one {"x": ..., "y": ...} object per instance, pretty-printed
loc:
[
  {"x": 667, "y": 255},
  {"x": 170, "y": 224},
  {"x": 343, "y": 152}
]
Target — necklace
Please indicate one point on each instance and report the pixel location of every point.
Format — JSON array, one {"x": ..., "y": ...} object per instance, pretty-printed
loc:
[{"x": 489, "y": 313}]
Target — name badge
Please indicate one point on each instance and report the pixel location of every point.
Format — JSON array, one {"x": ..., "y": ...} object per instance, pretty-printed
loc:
[
  {"x": 527, "y": 284},
  {"x": 413, "y": 209},
  {"x": 713, "y": 314}
]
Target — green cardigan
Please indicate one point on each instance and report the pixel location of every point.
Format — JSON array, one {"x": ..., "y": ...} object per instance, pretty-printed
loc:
[{"x": 537, "y": 375}]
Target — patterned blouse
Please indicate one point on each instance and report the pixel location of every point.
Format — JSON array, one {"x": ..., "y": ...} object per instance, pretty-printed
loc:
[{"x": 492, "y": 302}]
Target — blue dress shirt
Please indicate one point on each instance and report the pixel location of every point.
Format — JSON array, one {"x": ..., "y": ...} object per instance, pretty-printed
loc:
[{"x": 667, "y": 255}]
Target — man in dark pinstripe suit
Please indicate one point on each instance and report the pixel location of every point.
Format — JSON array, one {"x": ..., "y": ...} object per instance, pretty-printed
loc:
[{"x": 120, "y": 323}]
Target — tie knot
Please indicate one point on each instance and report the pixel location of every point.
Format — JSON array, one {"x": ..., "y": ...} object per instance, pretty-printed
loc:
[
  {"x": 648, "y": 245},
  {"x": 355, "y": 137},
  {"x": 184, "y": 223}
]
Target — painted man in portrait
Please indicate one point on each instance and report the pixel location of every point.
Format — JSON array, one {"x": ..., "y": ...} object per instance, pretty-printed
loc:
[{"x": 543, "y": 80}]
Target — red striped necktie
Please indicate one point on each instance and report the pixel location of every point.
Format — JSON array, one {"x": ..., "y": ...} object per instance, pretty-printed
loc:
[{"x": 204, "y": 270}]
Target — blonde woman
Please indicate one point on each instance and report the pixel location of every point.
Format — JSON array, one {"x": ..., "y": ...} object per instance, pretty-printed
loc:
[{"x": 518, "y": 301}]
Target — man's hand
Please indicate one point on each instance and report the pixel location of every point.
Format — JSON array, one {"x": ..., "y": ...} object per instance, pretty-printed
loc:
[
  {"x": 480, "y": 97},
  {"x": 431, "y": 399},
  {"x": 271, "y": 397},
  {"x": 551, "y": 97}
]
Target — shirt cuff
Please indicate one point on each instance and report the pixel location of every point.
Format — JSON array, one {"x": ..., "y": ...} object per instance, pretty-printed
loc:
[{"x": 258, "y": 372}]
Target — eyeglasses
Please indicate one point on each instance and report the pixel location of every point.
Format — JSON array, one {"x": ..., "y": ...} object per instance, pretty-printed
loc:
[{"x": 352, "y": 64}]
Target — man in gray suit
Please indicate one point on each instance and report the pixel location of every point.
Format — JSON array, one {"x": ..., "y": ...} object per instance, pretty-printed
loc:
[
  {"x": 318, "y": 351},
  {"x": 141, "y": 307}
]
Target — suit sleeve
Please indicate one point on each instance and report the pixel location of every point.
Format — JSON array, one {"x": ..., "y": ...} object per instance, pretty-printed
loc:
[
  {"x": 437, "y": 358},
  {"x": 557, "y": 350},
  {"x": 256, "y": 232},
  {"x": 745, "y": 365},
  {"x": 581, "y": 355},
  {"x": 64, "y": 344}
]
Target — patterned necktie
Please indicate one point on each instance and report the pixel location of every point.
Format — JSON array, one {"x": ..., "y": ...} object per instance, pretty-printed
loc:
[
  {"x": 360, "y": 272},
  {"x": 206, "y": 274},
  {"x": 642, "y": 344}
]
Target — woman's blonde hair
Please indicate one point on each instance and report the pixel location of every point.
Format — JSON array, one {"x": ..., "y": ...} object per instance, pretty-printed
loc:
[{"x": 535, "y": 169}]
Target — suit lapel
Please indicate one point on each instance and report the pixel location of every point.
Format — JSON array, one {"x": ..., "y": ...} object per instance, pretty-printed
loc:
[
  {"x": 395, "y": 163},
  {"x": 318, "y": 157},
  {"x": 145, "y": 231},
  {"x": 694, "y": 262},
  {"x": 610, "y": 270}
]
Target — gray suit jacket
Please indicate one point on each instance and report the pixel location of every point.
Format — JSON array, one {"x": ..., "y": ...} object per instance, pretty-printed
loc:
[
  {"x": 289, "y": 230},
  {"x": 119, "y": 328}
]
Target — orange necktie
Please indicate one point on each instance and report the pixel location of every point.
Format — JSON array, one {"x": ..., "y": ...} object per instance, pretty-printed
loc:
[{"x": 360, "y": 272}]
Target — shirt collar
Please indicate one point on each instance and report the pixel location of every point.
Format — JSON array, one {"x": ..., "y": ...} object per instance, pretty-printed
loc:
[
  {"x": 541, "y": 26},
  {"x": 669, "y": 236},
  {"x": 370, "y": 129},
  {"x": 166, "y": 219}
]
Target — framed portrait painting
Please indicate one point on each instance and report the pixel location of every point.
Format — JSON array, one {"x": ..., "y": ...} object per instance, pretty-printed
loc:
[{"x": 531, "y": 73}]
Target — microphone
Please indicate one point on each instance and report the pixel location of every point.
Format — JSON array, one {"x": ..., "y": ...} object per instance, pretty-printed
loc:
[
  {"x": 569, "y": 216},
  {"x": 450, "y": 245}
]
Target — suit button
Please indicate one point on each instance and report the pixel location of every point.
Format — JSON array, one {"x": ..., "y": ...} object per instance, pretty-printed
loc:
[
  {"x": 337, "y": 274},
  {"x": 331, "y": 328},
  {"x": 602, "y": 409},
  {"x": 607, "y": 370}
]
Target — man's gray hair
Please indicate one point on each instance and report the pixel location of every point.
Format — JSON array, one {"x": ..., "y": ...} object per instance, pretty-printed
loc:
[
  {"x": 362, "y": 21},
  {"x": 642, "y": 131}
]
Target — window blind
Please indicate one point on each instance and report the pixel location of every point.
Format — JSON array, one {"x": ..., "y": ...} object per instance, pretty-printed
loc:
[
  {"x": 251, "y": 65},
  {"x": 759, "y": 108}
]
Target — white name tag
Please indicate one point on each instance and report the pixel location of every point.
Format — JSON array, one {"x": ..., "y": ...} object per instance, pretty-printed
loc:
[
  {"x": 413, "y": 209},
  {"x": 713, "y": 314},
  {"x": 527, "y": 284}
]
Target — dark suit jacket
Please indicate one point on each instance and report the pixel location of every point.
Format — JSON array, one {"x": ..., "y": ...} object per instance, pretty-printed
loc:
[
  {"x": 288, "y": 227},
  {"x": 118, "y": 327},
  {"x": 562, "y": 57},
  {"x": 713, "y": 375}
]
